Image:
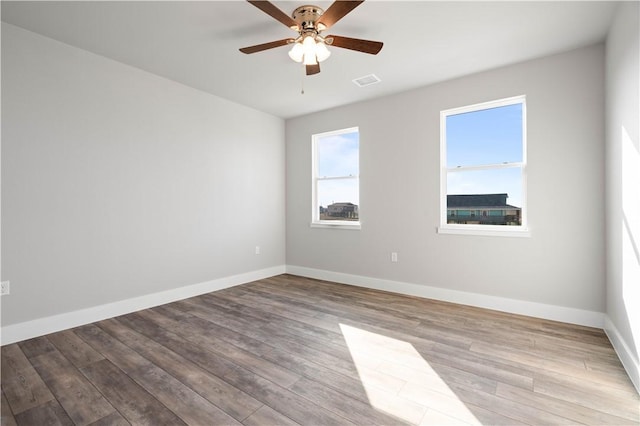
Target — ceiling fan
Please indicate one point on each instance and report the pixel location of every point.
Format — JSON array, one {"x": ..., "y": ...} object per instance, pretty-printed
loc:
[{"x": 310, "y": 47}]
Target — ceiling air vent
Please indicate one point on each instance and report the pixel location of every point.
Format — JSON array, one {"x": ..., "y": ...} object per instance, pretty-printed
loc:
[{"x": 367, "y": 80}]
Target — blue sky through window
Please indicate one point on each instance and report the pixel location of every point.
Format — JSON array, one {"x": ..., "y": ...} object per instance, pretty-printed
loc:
[
  {"x": 486, "y": 137},
  {"x": 338, "y": 156}
]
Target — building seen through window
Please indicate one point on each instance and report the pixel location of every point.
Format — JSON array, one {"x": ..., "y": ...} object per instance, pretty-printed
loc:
[
  {"x": 482, "y": 209},
  {"x": 339, "y": 211}
]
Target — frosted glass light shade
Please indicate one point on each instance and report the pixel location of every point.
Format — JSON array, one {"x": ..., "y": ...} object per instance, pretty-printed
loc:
[
  {"x": 310, "y": 59},
  {"x": 297, "y": 52},
  {"x": 322, "y": 52},
  {"x": 310, "y": 51},
  {"x": 309, "y": 47}
]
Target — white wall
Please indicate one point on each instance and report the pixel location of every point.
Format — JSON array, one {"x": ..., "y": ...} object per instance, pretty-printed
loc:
[
  {"x": 117, "y": 183},
  {"x": 560, "y": 265},
  {"x": 623, "y": 187}
]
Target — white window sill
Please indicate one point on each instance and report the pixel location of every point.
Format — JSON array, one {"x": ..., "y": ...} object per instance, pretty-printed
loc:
[
  {"x": 336, "y": 224},
  {"x": 486, "y": 230}
]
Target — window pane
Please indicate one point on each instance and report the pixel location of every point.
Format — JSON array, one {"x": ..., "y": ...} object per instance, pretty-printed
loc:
[
  {"x": 485, "y": 197},
  {"x": 338, "y": 199},
  {"x": 338, "y": 155},
  {"x": 488, "y": 136}
]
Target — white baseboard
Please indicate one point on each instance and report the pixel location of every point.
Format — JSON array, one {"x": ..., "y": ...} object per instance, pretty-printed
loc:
[
  {"x": 41, "y": 326},
  {"x": 629, "y": 360},
  {"x": 514, "y": 306}
]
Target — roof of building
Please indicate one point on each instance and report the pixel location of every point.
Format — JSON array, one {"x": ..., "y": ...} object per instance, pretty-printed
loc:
[
  {"x": 342, "y": 204},
  {"x": 478, "y": 200}
]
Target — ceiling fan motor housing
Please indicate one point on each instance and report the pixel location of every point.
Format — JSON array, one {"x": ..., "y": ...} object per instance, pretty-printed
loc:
[{"x": 306, "y": 17}]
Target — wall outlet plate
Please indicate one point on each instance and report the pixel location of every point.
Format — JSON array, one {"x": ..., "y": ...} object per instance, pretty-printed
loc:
[{"x": 4, "y": 288}]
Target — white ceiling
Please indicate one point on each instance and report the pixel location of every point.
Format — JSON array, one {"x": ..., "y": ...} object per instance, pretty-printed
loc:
[{"x": 196, "y": 43}]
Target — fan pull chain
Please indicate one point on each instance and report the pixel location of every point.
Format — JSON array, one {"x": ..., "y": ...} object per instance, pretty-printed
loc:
[{"x": 304, "y": 69}]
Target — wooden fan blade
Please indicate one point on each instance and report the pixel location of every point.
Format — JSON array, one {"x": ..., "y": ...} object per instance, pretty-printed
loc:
[
  {"x": 313, "y": 69},
  {"x": 337, "y": 11},
  {"x": 365, "y": 46},
  {"x": 265, "y": 46},
  {"x": 271, "y": 10}
]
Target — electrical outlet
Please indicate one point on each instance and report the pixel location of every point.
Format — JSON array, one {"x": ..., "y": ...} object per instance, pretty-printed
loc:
[
  {"x": 257, "y": 249},
  {"x": 4, "y": 288},
  {"x": 394, "y": 256}
]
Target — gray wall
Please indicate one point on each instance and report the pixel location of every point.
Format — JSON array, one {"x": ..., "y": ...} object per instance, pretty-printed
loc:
[
  {"x": 623, "y": 183},
  {"x": 562, "y": 263},
  {"x": 117, "y": 183}
]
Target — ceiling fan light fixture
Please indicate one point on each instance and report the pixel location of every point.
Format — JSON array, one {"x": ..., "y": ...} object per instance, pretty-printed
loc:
[
  {"x": 310, "y": 59},
  {"x": 309, "y": 49},
  {"x": 322, "y": 52},
  {"x": 309, "y": 44},
  {"x": 297, "y": 52}
]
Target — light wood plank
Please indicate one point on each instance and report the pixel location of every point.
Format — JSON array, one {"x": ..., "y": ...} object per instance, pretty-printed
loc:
[
  {"x": 35, "y": 347},
  {"x": 230, "y": 399},
  {"x": 6, "y": 416},
  {"x": 606, "y": 400},
  {"x": 21, "y": 384},
  {"x": 131, "y": 400},
  {"x": 81, "y": 401},
  {"x": 74, "y": 348},
  {"x": 268, "y": 416},
  {"x": 114, "y": 419},
  {"x": 574, "y": 412},
  {"x": 50, "y": 413},
  {"x": 179, "y": 398},
  {"x": 273, "y": 372},
  {"x": 350, "y": 408}
]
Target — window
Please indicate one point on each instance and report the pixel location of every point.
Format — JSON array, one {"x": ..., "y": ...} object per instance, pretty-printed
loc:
[
  {"x": 483, "y": 168},
  {"x": 336, "y": 182}
]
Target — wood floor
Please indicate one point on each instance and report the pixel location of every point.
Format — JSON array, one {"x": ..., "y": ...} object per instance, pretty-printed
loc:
[{"x": 290, "y": 350}]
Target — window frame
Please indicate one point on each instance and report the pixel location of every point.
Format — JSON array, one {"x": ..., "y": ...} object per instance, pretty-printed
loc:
[
  {"x": 316, "y": 222},
  {"x": 521, "y": 230}
]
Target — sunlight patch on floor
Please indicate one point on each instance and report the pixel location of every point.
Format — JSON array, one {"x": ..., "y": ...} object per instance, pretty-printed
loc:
[{"x": 400, "y": 382}]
